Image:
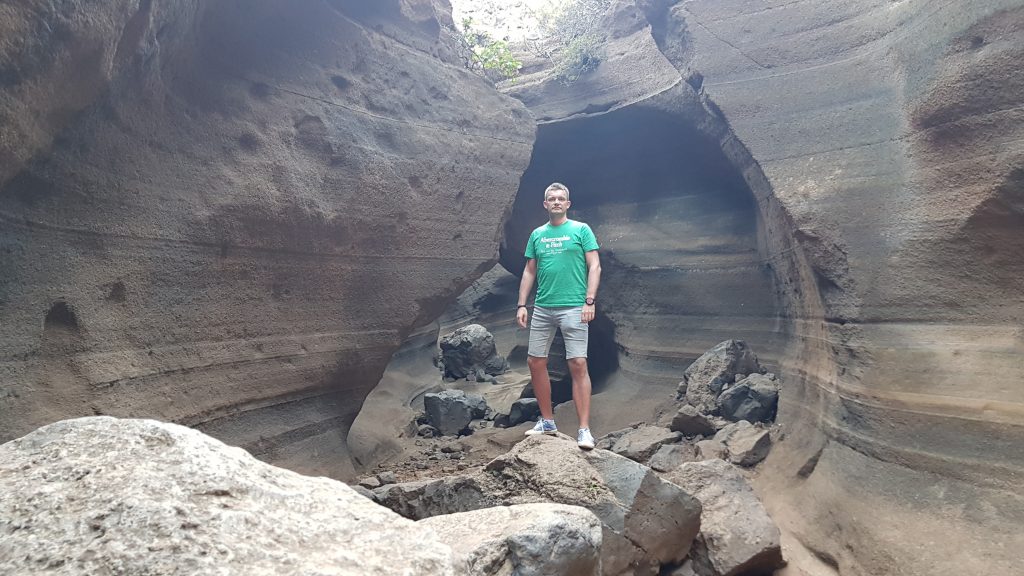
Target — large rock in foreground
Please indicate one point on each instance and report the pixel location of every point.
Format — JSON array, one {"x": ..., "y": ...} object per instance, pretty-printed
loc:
[
  {"x": 526, "y": 540},
  {"x": 736, "y": 535},
  {"x": 656, "y": 518},
  {"x": 106, "y": 496},
  {"x": 647, "y": 522}
]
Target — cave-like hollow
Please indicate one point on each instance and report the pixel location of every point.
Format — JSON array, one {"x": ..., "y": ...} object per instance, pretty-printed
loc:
[{"x": 684, "y": 262}]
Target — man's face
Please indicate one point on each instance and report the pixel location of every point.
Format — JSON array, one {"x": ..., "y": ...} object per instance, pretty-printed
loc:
[{"x": 556, "y": 202}]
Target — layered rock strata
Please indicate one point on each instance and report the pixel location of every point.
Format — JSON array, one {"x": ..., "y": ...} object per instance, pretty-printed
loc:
[
  {"x": 230, "y": 214},
  {"x": 892, "y": 134},
  {"x": 873, "y": 153}
]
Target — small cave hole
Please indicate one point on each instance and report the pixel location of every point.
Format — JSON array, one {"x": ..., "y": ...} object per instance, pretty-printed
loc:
[
  {"x": 116, "y": 292},
  {"x": 340, "y": 82},
  {"x": 696, "y": 81},
  {"x": 60, "y": 318},
  {"x": 260, "y": 90},
  {"x": 249, "y": 141}
]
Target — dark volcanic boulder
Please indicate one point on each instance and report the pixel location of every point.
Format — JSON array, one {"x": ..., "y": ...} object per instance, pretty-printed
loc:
[
  {"x": 523, "y": 410},
  {"x": 704, "y": 379},
  {"x": 451, "y": 411},
  {"x": 470, "y": 351},
  {"x": 753, "y": 399}
]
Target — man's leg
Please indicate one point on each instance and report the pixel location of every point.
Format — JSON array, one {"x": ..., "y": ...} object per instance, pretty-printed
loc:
[
  {"x": 542, "y": 331},
  {"x": 576, "y": 334},
  {"x": 580, "y": 389},
  {"x": 541, "y": 385}
]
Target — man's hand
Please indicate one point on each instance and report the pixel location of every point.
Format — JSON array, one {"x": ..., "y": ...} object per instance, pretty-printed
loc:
[
  {"x": 521, "y": 316},
  {"x": 588, "y": 312}
]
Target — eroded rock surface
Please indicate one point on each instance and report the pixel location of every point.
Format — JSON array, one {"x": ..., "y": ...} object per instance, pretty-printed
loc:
[
  {"x": 230, "y": 214},
  {"x": 107, "y": 496},
  {"x": 892, "y": 134}
]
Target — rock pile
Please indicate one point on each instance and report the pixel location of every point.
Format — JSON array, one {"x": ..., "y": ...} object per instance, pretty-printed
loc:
[
  {"x": 469, "y": 352},
  {"x": 646, "y": 521},
  {"x": 728, "y": 380},
  {"x": 704, "y": 380},
  {"x": 661, "y": 448}
]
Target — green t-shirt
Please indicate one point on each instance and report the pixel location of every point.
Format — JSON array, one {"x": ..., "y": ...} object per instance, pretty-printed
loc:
[{"x": 561, "y": 262}]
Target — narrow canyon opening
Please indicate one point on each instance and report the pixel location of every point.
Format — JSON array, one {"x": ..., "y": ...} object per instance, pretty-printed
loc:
[{"x": 683, "y": 262}]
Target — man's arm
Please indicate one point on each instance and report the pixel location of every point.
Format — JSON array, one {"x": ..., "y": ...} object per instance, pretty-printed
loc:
[
  {"x": 525, "y": 285},
  {"x": 593, "y": 280}
]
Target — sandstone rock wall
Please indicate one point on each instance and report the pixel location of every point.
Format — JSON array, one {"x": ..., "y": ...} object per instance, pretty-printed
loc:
[
  {"x": 229, "y": 214},
  {"x": 892, "y": 133},
  {"x": 880, "y": 143}
]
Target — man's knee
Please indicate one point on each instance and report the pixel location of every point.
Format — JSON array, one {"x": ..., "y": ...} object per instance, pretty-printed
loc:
[
  {"x": 578, "y": 365},
  {"x": 536, "y": 361}
]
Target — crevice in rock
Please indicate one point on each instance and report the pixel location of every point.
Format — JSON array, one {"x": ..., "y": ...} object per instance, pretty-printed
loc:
[{"x": 132, "y": 34}]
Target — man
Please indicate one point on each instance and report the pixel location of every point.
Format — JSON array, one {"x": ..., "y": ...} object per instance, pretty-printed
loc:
[{"x": 562, "y": 257}]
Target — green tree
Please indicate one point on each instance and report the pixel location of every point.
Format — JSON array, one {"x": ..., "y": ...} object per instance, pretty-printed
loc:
[
  {"x": 487, "y": 54},
  {"x": 573, "y": 37}
]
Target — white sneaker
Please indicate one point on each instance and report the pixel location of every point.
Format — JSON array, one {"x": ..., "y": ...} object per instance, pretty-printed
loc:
[
  {"x": 584, "y": 439},
  {"x": 543, "y": 426}
]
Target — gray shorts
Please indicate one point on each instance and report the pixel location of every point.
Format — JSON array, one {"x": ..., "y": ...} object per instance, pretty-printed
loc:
[{"x": 574, "y": 331}]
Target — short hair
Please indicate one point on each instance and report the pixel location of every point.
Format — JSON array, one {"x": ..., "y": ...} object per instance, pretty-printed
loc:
[{"x": 556, "y": 186}]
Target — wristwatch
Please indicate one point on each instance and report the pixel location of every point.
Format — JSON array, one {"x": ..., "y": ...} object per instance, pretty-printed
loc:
[{"x": 589, "y": 301}]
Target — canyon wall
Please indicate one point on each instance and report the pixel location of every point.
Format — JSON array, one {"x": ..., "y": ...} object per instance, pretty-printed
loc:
[
  {"x": 893, "y": 134},
  {"x": 842, "y": 187},
  {"x": 230, "y": 214}
]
